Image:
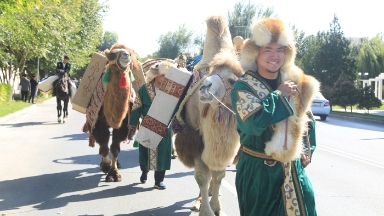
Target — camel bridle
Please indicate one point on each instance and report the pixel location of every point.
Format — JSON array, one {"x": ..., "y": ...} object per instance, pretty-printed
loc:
[{"x": 116, "y": 62}]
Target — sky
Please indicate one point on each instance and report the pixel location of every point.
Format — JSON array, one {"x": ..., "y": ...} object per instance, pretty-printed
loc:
[{"x": 140, "y": 23}]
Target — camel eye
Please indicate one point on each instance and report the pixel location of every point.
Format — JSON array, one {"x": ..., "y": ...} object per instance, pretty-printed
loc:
[
  {"x": 112, "y": 56},
  {"x": 231, "y": 81}
]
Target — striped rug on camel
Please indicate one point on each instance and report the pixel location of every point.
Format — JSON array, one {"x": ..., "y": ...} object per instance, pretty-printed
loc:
[{"x": 155, "y": 123}]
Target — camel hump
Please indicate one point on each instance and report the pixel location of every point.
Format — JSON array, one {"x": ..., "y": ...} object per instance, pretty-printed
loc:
[{"x": 217, "y": 39}]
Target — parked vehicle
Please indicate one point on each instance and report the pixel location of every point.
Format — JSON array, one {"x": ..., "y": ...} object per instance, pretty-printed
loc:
[{"x": 321, "y": 106}]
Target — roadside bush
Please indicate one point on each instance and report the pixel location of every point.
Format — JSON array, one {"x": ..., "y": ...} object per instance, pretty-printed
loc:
[{"x": 5, "y": 91}]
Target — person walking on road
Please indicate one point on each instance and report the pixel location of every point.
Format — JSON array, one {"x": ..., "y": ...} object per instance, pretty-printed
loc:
[
  {"x": 158, "y": 159},
  {"x": 34, "y": 84},
  {"x": 271, "y": 121},
  {"x": 25, "y": 87}
]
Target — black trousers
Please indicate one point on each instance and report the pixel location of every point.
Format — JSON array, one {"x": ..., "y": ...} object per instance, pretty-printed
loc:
[
  {"x": 32, "y": 96},
  {"x": 159, "y": 175},
  {"x": 24, "y": 95}
]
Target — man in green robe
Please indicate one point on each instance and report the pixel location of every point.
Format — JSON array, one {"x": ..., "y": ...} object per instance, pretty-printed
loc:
[
  {"x": 158, "y": 159},
  {"x": 265, "y": 185}
]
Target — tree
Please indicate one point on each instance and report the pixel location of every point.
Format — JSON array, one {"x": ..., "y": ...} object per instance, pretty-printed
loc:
[
  {"x": 301, "y": 44},
  {"x": 371, "y": 56},
  {"x": 310, "y": 47},
  {"x": 345, "y": 92},
  {"x": 368, "y": 100},
  {"x": 109, "y": 38},
  {"x": 174, "y": 43},
  {"x": 333, "y": 57},
  {"x": 240, "y": 18}
]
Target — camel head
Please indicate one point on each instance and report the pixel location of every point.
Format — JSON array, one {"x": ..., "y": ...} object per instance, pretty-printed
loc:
[
  {"x": 121, "y": 60},
  {"x": 119, "y": 57},
  {"x": 224, "y": 70}
]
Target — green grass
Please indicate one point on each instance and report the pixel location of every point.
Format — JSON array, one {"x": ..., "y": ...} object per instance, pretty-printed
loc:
[
  {"x": 355, "y": 107},
  {"x": 358, "y": 115},
  {"x": 14, "y": 106},
  {"x": 11, "y": 107}
]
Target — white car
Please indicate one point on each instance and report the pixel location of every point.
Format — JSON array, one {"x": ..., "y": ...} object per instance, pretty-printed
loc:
[{"x": 321, "y": 106}]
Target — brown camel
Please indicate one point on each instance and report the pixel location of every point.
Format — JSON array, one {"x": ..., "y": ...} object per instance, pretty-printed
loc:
[
  {"x": 115, "y": 108},
  {"x": 209, "y": 140}
]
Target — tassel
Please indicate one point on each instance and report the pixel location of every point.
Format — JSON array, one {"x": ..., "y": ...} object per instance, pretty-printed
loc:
[
  {"x": 131, "y": 76},
  {"x": 123, "y": 80},
  {"x": 204, "y": 113},
  {"x": 107, "y": 76},
  {"x": 218, "y": 118}
]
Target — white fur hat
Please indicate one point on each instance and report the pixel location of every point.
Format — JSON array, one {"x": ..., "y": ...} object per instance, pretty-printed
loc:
[
  {"x": 265, "y": 31},
  {"x": 157, "y": 69}
]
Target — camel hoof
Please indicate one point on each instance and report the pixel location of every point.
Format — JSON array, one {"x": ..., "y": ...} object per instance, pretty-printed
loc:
[
  {"x": 59, "y": 120},
  {"x": 113, "y": 176},
  {"x": 196, "y": 206},
  {"x": 105, "y": 167}
]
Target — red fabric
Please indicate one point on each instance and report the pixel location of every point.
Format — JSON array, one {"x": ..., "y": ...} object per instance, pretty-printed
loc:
[{"x": 123, "y": 80}]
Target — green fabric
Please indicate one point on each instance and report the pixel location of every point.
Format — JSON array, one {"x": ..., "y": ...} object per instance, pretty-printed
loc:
[
  {"x": 259, "y": 186},
  {"x": 164, "y": 149},
  {"x": 67, "y": 67}
]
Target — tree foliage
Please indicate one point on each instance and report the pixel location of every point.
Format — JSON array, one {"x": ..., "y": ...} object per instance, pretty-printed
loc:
[
  {"x": 109, "y": 38},
  {"x": 368, "y": 100},
  {"x": 174, "y": 43},
  {"x": 371, "y": 56},
  {"x": 345, "y": 92},
  {"x": 240, "y": 18},
  {"x": 45, "y": 30}
]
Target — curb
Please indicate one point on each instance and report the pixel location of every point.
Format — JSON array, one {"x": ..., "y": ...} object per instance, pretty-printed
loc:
[{"x": 356, "y": 119}]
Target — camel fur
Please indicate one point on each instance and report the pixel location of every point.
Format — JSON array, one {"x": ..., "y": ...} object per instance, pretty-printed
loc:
[
  {"x": 204, "y": 144},
  {"x": 114, "y": 113}
]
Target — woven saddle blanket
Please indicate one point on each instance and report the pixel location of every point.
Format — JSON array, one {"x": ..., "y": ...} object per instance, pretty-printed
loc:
[
  {"x": 155, "y": 124},
  {"x": 97, "y": 100}
]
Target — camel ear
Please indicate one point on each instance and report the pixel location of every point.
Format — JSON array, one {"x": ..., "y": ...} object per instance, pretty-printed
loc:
[{"x": 106, "y": 53}]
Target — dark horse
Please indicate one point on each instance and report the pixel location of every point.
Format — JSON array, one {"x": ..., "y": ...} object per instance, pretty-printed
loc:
[{"x": 62, "y": 94}]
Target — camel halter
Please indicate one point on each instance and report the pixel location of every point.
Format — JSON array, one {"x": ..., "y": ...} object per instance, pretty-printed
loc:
[
  {"x": 227, "y": 91},
  {"x": 218, "y": 117}
]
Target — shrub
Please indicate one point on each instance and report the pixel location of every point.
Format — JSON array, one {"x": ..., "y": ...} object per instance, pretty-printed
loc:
[{"x": 5, "y": 92}]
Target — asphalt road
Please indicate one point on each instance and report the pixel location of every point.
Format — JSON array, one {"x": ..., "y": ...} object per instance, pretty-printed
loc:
[{"x": 48, "y": 169}]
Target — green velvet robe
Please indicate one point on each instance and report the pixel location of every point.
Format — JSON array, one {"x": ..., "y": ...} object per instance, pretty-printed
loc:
[
  {"x": 160, "y": 158},
  {"x": 260, "y": 180}
]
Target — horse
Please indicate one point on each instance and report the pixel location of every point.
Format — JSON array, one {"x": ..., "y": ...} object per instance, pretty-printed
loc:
[{"x": 62, "y": 94}]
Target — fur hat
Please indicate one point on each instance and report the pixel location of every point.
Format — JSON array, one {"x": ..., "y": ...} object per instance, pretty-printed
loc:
[
  {"x": 157, "y": 69},
  {"x": 265, "y": 31}
]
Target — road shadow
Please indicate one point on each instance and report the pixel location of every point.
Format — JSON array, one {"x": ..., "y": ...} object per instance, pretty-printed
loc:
[
  {"x": 27, "y": 124},
  {"x": 127, "y": 159},
  {"x": 73, "y": 137},
  {"x": 169, "y": 210},
  {"x": 57, "y": 190},
  {"x": 179, "y": 174}
]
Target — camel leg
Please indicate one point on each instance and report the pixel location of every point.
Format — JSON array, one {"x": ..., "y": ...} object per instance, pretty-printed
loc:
[
  {"x": 196, "y": 205},
  {"x": 58, "y": 107},
  {"x": 118, "y": 135},
  {"x": 202, "y": 177},
  {"x": 217, "y": 176},
  {"x": 101, "y": 135}
]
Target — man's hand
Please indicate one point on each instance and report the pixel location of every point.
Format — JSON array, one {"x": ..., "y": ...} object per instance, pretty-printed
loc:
[
  {"x": 305, "y": 160},
  {"x": 288, "y": 88}
]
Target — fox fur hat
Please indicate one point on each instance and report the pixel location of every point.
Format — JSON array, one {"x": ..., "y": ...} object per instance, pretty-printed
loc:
[
  {"x": 157, "y": 69},
  {"x": 265, "y": 31}
]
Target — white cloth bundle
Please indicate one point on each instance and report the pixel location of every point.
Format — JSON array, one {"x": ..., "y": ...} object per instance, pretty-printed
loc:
[{"x": 46, "y": 84}]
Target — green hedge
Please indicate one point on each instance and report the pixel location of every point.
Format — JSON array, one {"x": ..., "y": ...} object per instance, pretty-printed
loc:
[{"x": 5, "y": 92}]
